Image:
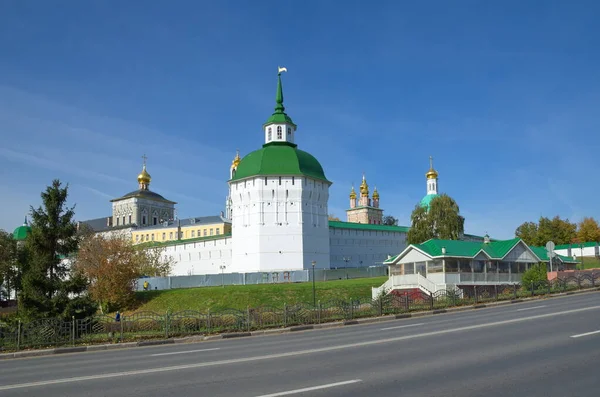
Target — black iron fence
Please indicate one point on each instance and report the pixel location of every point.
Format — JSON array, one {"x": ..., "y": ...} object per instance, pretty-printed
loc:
[{"x": 150, "y": 325}]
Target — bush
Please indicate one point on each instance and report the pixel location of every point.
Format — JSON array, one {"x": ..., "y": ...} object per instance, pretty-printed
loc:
[{"x": 537, "y": 274}]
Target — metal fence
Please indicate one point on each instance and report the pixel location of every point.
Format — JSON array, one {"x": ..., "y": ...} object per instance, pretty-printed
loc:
[
  {"x": 292, "y": 276},
  {"x": 150, "y": 325}
]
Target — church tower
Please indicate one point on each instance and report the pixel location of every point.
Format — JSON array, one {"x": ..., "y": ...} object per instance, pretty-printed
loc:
[
  {"x": 366, "y": 211},
  {"x": 279, "y": 197},
  {"x": 432, "y": 185},
  {"x": 141, "y": 207},
  {"x": 232, "y": 170}
]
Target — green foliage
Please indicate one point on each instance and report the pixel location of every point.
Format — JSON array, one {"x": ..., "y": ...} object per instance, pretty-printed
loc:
[
  {"x": 390, "y": 220},
  {"x": 48, "y": 285},
  {"x": 536, "y": 274},
  {"x": 558, "y": 230},
  {"x": 8, "y": 263},
  {"x": 442, "y": 220},
  {"x": 588, "y": 230}
]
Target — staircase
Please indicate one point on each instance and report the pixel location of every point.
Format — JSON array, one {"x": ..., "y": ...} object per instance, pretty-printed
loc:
[{"x": 407, "y": 281}]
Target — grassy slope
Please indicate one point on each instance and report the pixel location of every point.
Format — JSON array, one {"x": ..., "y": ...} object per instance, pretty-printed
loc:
[
  {"x": 242, "y": 296},
  {"x": 591, "y": 262}
]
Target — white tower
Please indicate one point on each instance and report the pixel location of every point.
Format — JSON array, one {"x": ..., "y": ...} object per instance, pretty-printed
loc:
[
  {"x": 432, "y": 178},
  {"x": 279, "y": 198}
]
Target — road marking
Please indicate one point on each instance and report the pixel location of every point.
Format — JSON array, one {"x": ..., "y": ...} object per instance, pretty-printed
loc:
[
  {"x": 290, "y": 354},
  {"x": 402, "y": 326},
  {"x": 286, "y": 393},
  {"x": 586, "y": 334},
  {"x": 531, "y": 308},
  {"x": 184, "y": 352}
]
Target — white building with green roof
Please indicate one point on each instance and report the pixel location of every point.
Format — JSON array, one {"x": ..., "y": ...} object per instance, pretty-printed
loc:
[{"x": 448, "y": 264}]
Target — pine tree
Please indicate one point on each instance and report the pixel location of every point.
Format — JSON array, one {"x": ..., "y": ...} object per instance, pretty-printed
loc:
[{"x": 49, "y": 287}]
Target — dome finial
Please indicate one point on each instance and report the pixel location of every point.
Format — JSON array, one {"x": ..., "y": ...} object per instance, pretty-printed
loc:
[
  {"x": 432, "y": 173},
  {"x": 25, "y": 223},
  {"x": 364, "y": 187},
  {"x": 237, "y": 159},
  {"x": 375, "y": 194},
  {"x": 144, "y": 177},
  {"x": 352, "y": 192},
  {"x": 279, "y": 108}
]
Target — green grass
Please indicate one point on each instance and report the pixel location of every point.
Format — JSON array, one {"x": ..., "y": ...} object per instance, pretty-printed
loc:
[
  {"x": 590, "y": 262},
  {"x": 242, "y": 296}
]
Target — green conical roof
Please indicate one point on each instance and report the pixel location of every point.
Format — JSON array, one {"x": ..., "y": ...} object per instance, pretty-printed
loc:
[
  {"x": 279, "y": 116},
  {"x": 21, "y": 233},
  {"x": 426, "y": 201}
]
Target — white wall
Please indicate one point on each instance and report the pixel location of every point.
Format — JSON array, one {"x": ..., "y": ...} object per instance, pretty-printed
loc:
[
  {"x": 279, "y": 223},
  {"x": 364, "y": 247},
  {"x": 577, "y": 251},
  {"x": 201, "y": 257}
]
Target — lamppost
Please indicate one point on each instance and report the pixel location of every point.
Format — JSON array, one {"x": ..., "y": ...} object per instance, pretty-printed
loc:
[
  {"x": 582, "y": 266},
  {"x": 346, "y": 260},
  {"x": 313, "y": 263},
  {"x": 222, "y": 267}
]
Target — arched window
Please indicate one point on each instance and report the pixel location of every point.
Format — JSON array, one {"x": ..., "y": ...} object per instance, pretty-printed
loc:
[
  {"x": 289, "y": 131},
  {"x": 269, "y": 135},
  {"x": 279, "y": 132}
]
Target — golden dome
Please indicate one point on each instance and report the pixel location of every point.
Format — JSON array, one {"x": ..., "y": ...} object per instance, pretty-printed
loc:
[
  {"x": 432, "y": 173},
  {"x": 144, "y": 177},
  {"x": 376, "y": 194},
  {"x": 236, "y": 161},
  {"x": 352, "y": 193},
  {"x": 364, "y": 188}
]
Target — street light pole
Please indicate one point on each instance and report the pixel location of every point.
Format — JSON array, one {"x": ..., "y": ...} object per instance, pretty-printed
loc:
[
  {"x": 313, "y": 277},
  {"x": 346, "y": 260},
  {"x": 222, "y": 267}
]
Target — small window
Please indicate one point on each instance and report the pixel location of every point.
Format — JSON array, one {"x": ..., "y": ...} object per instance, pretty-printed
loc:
[
  {"x": 137, "y": 238},
  {"x": 171, "y": 236},
  {"x": 152, "y": 236},
  {"x": 147, "y": 237},
  {"x": 193, "y": 234},
  {"x": 293, "y": 180},
  {"x": 164, "y": 236},
  {"x": 144, "y": 220},
  {"x": 211, "y": 232},
  {"x": 279, "y": 132},
  {"x": 279, "y": 180},
  {"x": 204, "y": 232},
  {"x": 198, "y": 233},
  {"x": 155, "y": 221},
  {"x": 117, "y": 221},
  {"x": 266, "y": 181},
  {"x": 289, "y": 131},
  {"x": 123, "y": 220},
  {"x": 269, "y": 134},
  {"x": 130, "y": 219},
  {"x": 142, "y": 236},
  {"x": 218, "y": 231}
]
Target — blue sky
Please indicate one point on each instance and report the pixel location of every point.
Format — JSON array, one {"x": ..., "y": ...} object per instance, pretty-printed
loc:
[{"x": 504, "y": 94}]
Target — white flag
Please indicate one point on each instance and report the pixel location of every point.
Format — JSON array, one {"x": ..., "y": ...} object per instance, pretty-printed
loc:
[{"x": 280, "y": 69}]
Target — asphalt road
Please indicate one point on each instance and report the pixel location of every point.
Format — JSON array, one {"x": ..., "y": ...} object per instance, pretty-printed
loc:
[{"x": 541, "y": 348}]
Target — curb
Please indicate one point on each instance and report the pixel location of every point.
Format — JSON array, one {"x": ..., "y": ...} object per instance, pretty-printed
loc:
[{"x": 276, "y": 331}]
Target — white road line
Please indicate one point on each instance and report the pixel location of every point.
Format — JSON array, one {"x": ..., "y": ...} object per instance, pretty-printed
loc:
[
  {"x": 184, "y": 352},
  {"x": 586, "y": 334},
  {"x": 286, "y": 393},
  {"x": 292, "y": 353},
  {"x": 531, "y": 308},
  {"x": 401, "y": 326}
]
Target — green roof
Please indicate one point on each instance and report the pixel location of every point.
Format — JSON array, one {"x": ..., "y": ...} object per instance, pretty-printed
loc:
[
  {"x": 367, "y": 226},
  {"x": 426, "y": 201},
  {"x": 497, "y": 249},
  {"x": 279, "y": 116},
  {"x": 576, "y": 245},
  {"x": 149, "y": 244},
  {"x": 21, "y": 233},
  {"x": 279, "y": 159}
]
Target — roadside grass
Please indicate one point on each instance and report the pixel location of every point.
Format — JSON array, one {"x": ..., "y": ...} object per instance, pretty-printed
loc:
[
  {"x": 591, "y": 262},
  {"x": 256, "y": 295}
]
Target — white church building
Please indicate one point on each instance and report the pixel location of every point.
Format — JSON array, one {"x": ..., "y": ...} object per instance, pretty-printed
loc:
[{"x": 275, "y": 218}]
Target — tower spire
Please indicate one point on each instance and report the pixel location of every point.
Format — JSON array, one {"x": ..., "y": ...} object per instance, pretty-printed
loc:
[{"x": 279, "y": 108}]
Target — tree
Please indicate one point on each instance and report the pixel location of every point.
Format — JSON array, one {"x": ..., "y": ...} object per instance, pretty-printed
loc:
[
  {"x": 536, "y": 275},
  {"x": 390, "y": 220},
  {"x": 558, "y": 230},
  {"x": 8, "y": 264},
  {"x": 333, "y": 218},
  {"x": 49, "y": 287},
  {"x": 589, "y": 230},
  {"x": 442, "y": 220},
  {"x": 528, "y": 232},
  {"x": 112, "y": 264}
]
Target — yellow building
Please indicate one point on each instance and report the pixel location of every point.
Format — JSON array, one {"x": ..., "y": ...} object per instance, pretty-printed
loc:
[{"x": 183, "y": 229}]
